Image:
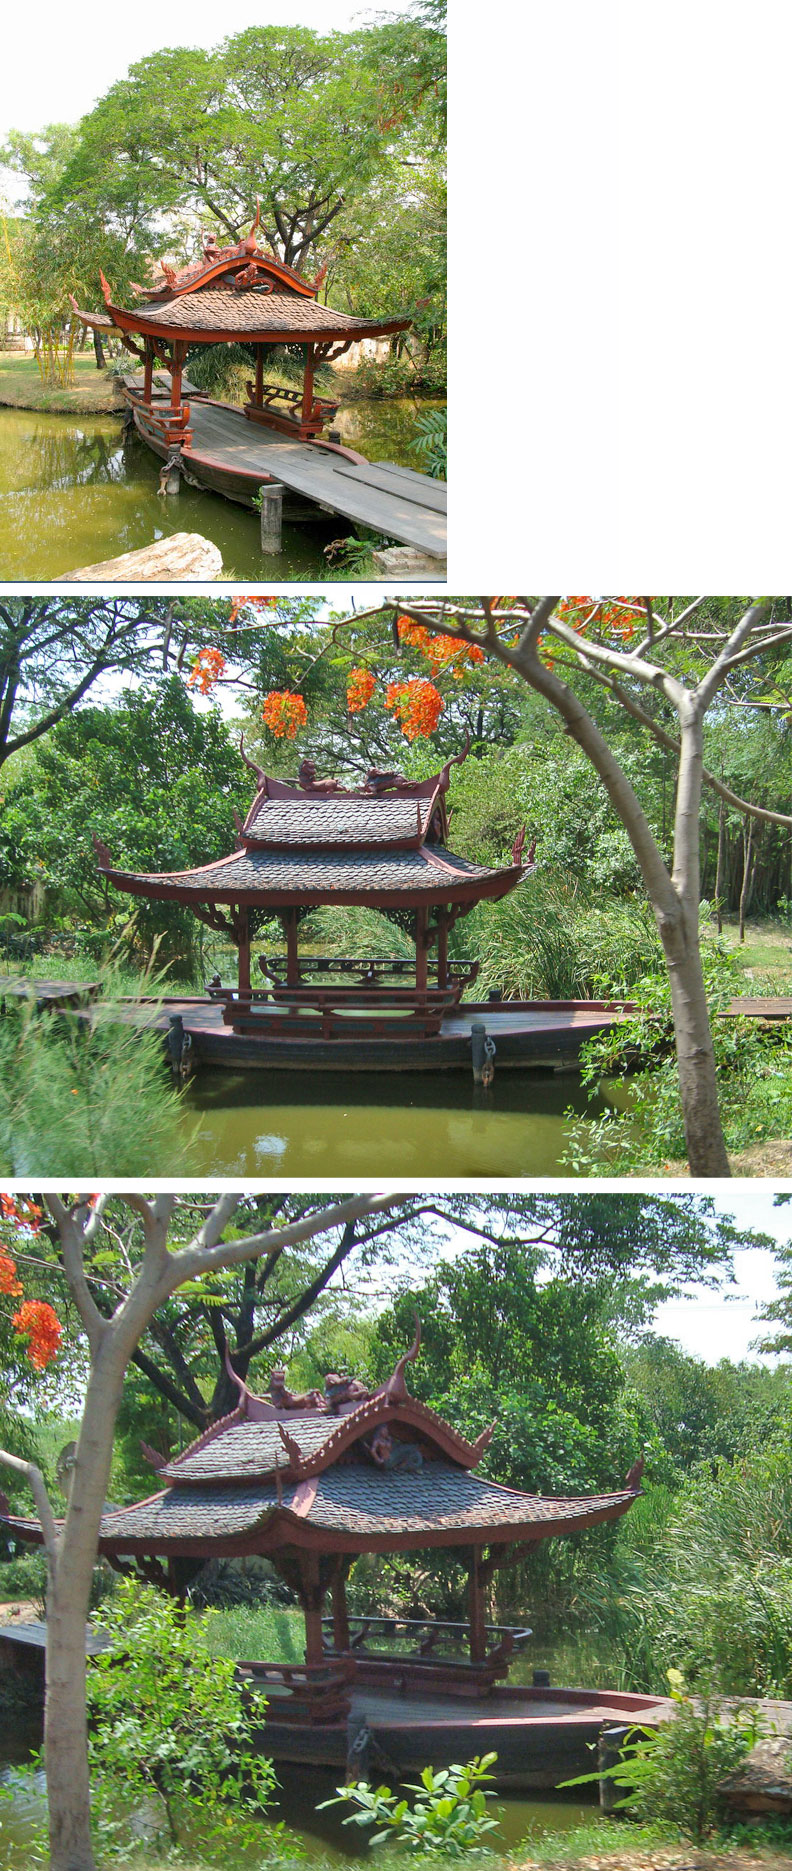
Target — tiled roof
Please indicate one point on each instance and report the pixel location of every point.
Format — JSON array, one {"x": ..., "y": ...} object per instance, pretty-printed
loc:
[
  {"x": 360, "y": 1502},
  {"x": 338, "y": 820},
  {"x": 218, "y": 310},
  {"x": 250, "y": 1448},
  {"x": 315, "y": 875}
]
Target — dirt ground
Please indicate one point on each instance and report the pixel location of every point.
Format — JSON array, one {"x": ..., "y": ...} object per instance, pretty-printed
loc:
[
  {"x": 19, "y": 1611},
  {"x": 677, "y": 1858}
]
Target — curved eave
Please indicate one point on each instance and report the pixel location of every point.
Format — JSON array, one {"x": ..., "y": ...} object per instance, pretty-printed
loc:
[
  {"x": 273, "y": 1526},
  {"x": 138, "y": 324},
  {"x": 451, "y": 887}
]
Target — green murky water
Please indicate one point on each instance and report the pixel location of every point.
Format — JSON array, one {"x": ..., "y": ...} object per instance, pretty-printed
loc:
[
  {"x": 392, "y": 1124},
  {"x": 322, "y": 1833},
  {"x": 73, "y": 493}
]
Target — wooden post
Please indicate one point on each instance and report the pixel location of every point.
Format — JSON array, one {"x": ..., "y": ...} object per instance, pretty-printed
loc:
[
  {"x": 148, "y": 373},
  {"x": 243, "y": 938},
  {"x": 476, "y": 1617},
  {"x": 292, "y": 957},
  {"x": 340, "y": 1618},
  {"x": 259, "y": 397},
  {"x": 421, "y": 950},
  {"x": 442, "y": 949},
  {"x": 308, "y": 384},
  {"x": 271, "y": 493},
  {"x": 312, "y": 1599},
  {"x": 177, "y": 362}
]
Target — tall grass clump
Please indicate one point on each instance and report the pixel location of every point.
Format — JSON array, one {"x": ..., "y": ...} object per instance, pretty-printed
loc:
[
  {"x": 78, "y": 1099},
  {"x": 549, "y": 940}
]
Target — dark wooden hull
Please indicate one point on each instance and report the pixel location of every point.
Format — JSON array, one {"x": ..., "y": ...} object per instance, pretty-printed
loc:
[
  {"x": 527, "y": 1034},
  {"x": 541, "y": 1736}
]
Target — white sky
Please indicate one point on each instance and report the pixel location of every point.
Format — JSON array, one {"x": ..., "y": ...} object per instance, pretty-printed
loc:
[
  {"x": 63, "y": 65},
  {"x": 722, "y": 1325}
]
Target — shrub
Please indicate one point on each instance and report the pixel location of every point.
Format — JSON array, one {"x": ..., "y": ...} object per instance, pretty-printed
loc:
[
  {"x": 448, "y": 1819},
  {"x": 673, "y": 1773},
  {"x": 76, "y": 1098},
  {"x": 171, "y": 1725}
]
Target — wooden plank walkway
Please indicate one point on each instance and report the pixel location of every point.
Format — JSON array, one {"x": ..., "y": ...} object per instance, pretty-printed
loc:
[{"x": 402, "y": 505}]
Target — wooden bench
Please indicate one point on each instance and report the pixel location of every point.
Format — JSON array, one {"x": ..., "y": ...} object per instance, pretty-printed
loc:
[{"x": 302, "y": 1692}]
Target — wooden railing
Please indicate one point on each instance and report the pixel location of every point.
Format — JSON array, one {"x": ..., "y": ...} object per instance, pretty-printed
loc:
[
  {"x": 421, "y": 1668},
  {"x": 337, "y": 1012},
  {"x": 368, "y": 969},
  {"x": 302, "y": 1692}
]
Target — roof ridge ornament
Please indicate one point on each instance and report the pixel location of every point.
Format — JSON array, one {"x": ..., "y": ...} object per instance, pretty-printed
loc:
[
  {"x": 395, "y": 1390},
  {"x": 294, "y": 1452},
  {"x": 261, "y": 777}
]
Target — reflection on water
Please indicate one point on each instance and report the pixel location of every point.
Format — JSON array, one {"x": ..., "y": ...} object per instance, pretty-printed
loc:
[
  {"x": 322, "y": 1834},
  {"x": 73, "y": 493},
  {"x": 421, "y": 1124}
]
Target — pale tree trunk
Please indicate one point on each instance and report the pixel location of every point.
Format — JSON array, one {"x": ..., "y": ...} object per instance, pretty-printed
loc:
[
  {"x": 72, "y": 1550},
  {"x": 68, "y": 1600},
  {"x": 674, "y": 900},
  {"x": 698, "y": 1085}
]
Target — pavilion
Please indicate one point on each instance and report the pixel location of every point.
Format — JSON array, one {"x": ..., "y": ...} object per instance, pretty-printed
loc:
[
  {"x": 235, "y": 295},
  {"x": 310, "y": 1481},
  {"x": 310, "y": 842}
]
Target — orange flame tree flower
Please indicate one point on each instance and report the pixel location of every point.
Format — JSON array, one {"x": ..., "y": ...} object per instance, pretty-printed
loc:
[
  {"x": 417, "y": 706},
  {"x": 206, "y": 670},
  {"x": 283, "y": 713},
  {"x": 37, "y": 1322},
  {"x": 250, "y": 604},
  {"x": 8, "y": 1277},
  {"x": 360, "y": 688}
]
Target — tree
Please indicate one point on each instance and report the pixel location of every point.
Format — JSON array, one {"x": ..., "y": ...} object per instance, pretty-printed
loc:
[
  {"x": 298, "y": 119},
  {"x": 151, "y": 776},
  {"x": 653, "y": 660},
  {"x": 54, "y": 649},
  {"x": 167, "y": 1260}
]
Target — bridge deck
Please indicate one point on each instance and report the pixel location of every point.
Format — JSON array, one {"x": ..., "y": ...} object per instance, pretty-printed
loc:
[{"x": 228, "y": 452}]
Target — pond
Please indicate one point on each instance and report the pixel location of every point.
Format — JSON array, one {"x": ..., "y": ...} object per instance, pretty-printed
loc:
[
  {"x": 72, "y": 493},
  {"x": 394, "y": 1124},
  {"x": 322, "y": 1834}
]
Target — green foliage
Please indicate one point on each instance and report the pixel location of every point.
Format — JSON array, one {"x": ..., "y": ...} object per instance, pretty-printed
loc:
[
  {"x": 257, "y": 1633},
  {"x": 75, "y": 1098},
  {"x": 753, "y": 1065},
  {"x": 448, "y": 1819},
  {"x": 170, "y": 1723},
  {"x": 155, "y": 780},
  {"x": 672, "y": 1773},
  {"x": 548, "y": 940},
  {"x": 431, "y": 443}
]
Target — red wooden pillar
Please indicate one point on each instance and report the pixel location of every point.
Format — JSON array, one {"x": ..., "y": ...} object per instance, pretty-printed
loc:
[
  {"x": 292, "y": 957},
  {"x": 243, "y": 939},
  {"x": 259, "y": 398},
  {"x": 476, "y": 1613},
  {"x": 148, "y": 372},
  {"x": 421, "y": 950},
  {"x": 312, "y": 1599},
  {"x": 442, "y": 949},
  {"x": 308, "y": 384},
  {"x": 340, "y": 1618},
  {"x": 177, "y": 365}
]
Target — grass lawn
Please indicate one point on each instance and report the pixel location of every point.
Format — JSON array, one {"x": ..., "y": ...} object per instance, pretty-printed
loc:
[
  {"x": 765, "y": 955},
  {"x": 93, "y": 392}
]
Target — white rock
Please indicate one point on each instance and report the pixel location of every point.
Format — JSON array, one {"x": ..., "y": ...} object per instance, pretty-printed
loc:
[{"x": 182, "y": 555}]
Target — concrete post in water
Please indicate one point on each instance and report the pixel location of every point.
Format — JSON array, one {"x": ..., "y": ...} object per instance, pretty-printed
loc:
[
  {"x": 175, "y": 1041},
  {"x": 483, "y": 1053},
  {"x": 610, "y": 1743},
  {"x": 271, "y": 516}
]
